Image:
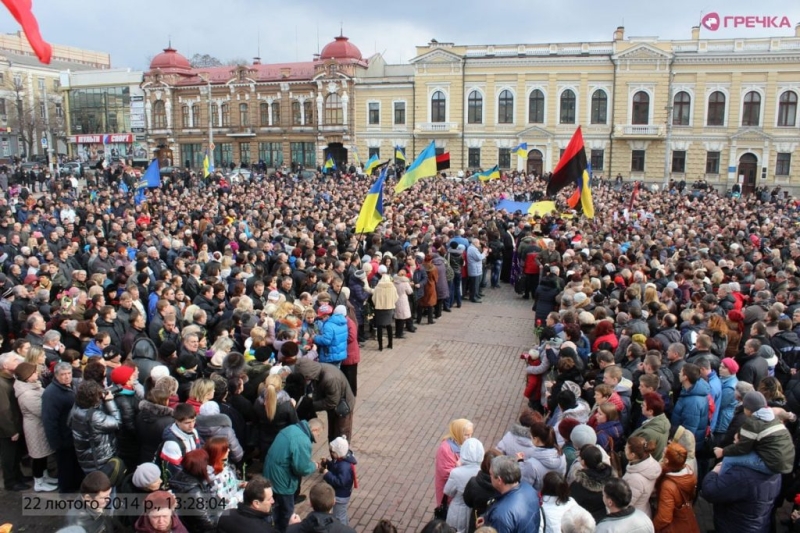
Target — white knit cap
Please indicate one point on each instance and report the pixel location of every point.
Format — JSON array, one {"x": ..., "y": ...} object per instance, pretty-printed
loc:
[
  {"x": 339, "y": 446},
  {"x": 209, "y": 408}
]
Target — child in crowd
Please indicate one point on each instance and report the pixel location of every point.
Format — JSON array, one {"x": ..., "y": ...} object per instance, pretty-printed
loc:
[{"x": 340, "y": 473}]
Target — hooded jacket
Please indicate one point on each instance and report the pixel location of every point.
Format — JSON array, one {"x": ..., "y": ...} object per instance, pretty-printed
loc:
[
  {"x": 675, "y": 497},
  {"x": 752, "y": 369},
  {"x": 516, "y": 440},
  {"x": 151, "y": 421},
  {"x": 332, "y": 340},
  {"x": 542, "y": 461},
  {"x": 641, "y": 478},
  {"x": 289, "y": 458},
  {"x": 330, "y": 385},
  {"x": 471, "y": 456},
  {"x": 477, "y": 495},
  {"x": 768, "y": 437},
  {"x": 742, "y": 498},
  {"x": 144, "y": 353},
  {"x": 219, "y": 425},
  {"x": 341, "y": 475},
  {"x": 656, "y": 430},
  {"x": 691, "y": 410},
  {"x": 587, "y": 489}
]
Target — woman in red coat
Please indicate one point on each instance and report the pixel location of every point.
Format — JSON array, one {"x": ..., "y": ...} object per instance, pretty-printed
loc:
[
  {"x": 604, "y": 332},
  {"x": 350, "y": 365}
]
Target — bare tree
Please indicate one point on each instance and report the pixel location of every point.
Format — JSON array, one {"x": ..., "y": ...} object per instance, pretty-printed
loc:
[
  {"x": 237, "y": 62},
  {"x": 23, "y": 118},
  {"x": 204, "y": 61}
]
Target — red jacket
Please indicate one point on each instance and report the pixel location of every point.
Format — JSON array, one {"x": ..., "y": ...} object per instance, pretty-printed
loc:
[
  {"x": 353, "y": 349},
  {"x": 609, "y": 338}
]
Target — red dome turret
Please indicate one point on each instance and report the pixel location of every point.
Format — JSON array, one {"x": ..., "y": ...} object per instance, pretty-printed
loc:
[
  {"x": 341, "y": 48},
  {"x": 170, "y": 60}
]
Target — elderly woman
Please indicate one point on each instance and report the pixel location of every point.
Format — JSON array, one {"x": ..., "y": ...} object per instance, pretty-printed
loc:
[
  {"x": 402, "y": 309},
  {"x": 449, "y": 453},
  {"x": 384, "y": 298},
  {"x": 28, "y": 390},
  {"x": 471, "y": 456},
  {"x": 159, "y": 516}
]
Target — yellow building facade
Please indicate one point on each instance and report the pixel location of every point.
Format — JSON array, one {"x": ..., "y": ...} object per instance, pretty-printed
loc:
[{"x": 721, "y": 110}]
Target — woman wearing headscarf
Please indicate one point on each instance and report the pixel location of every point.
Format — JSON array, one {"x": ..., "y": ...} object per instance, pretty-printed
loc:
[
  {"x": 458, "y": 512},
  {"x": 449, "y": 453}
]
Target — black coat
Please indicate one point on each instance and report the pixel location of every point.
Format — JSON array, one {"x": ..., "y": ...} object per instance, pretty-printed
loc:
[
  {"x": 587, "y": 490},
  {"x": 151, "y": 421},
  {"x": 319, "y": 523},
  {"x": 285, "y": 415},
  {"x": 57, "y": 402},
  {"x": 127, "y": 441},
  {"x": 245, "y": 518},
  {"x": 545, "y": 300},
  {"x": 477, "y": 495},
  {"x": 189, "y": 489}
]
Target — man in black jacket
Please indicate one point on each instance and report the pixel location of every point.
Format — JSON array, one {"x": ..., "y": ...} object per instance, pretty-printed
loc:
[
  {"x": 322, "y": 498},
  {"x": 57, "y": 401},
  {"x": 254, "y": 514}
]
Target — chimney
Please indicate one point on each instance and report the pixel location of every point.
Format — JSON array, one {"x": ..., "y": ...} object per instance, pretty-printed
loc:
[
  {"x": 619, "y": 33},
  {"x": 797, "y": 31},
  {"x": 286, "y": 72},
  {"x": 695, "y": 33},
  {"x": 256, "y": 60}
]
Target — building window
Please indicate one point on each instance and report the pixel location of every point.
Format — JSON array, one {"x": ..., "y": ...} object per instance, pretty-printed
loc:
[
  {"x": 598, "y": 157},
  {"x": 438, "y": 107},
  {"x": 263, "y": 114},
  {"x": 637, "y": 161},
  {"x": 599, "y": 107},
  {"x": 271, "y": 154},
  {"x": 308, "y": 112},
  {"x": 505, "y": 108},
  {"x": 17, "y": 81},
  {"x": 536, "y": 107},
  {"x": 244, "y": 153},
  {"x": 399, "y": 113},
  {"x": 712, "y": 162},
  {"x": 716, "y": 109},
  {"x": 192, "y": 155},
  {"x": 641, "y": 108},
  {"x": 41, "y": 84},
  {"x": 374, "y": 113},
  {"x": 681, "y": 107},
  {"x": 474, "y": 158},
  {"x": 56, "y": 84},
  {"x": 334, "y": 113},
  {"x": 475, "y": 108},
  {"x": 679, "y": 161},
  {"x": 304, "y": 154},
  {"x": 196, "y": 116},
  {"x": 226, "y": 115},
  {"x": 297, "y": 118},
  {"x": 2, "y": 106},
  {"x": 783, "y": 163},
  {"x": 567, "y": 115},
  {"x": 504, "y": 158},
  {"x": 373, "y": 152},
  {"x": 185, "y": 116},
  {"x": 276, "y": 114},
  {"x": 224, "y": 154},
  {"x": 787, "y": 109},
  {"x": 59, "y": 110},
  {"x": 159, "y": 115},
  {"x": 751, "y": 109},
  {"x": 42, "y": 110},
  {"x": 215, "y": 115},
  {"x": 244, "y": 115}
]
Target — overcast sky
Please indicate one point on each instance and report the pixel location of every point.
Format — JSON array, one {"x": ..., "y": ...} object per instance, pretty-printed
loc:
[{"x": 134, "y": 31}]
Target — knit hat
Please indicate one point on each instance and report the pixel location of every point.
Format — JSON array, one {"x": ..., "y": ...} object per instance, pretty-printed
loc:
[
  {"x": 24, "y": 371},
  {"x": 340, "y": 310},
  {"x": 382, "y": 269},
  {"x": 579, "y": 298},
  {"x": 753, "y": 401},
  {"x": 158, "y": 372},
  {"x": 209, "y": 408},
  {"x": 122, "y": 374},
  {"x": 339, "y": 446},
  {"x": 360, "y": 274},
  {"x": 366, "y": 259},
  {"x": 639, "y": 338},
  {"x": 582, "y": 435},
  {"x": 167, "y": 349},
  {"x": 273, "y": 296},
  {"x": 586, "y": 318},
  {"x": 731, "y": 365},
  {"x": 145, "y": 474},
  {"x": 566, "y": 426}
]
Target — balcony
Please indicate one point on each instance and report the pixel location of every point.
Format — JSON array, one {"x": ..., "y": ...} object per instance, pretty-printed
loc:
[
  {"x": 639, "y": 130},
  {"x": 241, "y": 131},
  {"x": 438, "y": 127}
]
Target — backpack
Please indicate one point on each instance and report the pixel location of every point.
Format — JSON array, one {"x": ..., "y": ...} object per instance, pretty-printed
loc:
[
  {"x": 495, "y": 250},
  {"x": 449, "y": 273}
]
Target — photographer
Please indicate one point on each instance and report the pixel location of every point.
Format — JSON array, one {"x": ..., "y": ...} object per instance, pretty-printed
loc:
[{"x": 94, "y": 421}]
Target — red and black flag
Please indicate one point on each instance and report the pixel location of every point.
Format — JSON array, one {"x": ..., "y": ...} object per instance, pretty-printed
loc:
[
  {"x": 571, "y": 165},
  {"x": 22, "y": 11},
  {"x": 442, "y": 161}
]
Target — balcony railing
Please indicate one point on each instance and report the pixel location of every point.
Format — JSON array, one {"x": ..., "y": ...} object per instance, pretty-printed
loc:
[
  {"x": 640, "y": 130},
  {"x": 442, "y": 127}
]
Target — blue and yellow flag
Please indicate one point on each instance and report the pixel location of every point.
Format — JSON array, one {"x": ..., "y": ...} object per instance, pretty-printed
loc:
[
  {"x": 371, "y": 213},
  {"x": 355, "y": 154},
  {"x": 398, "y": 154},
  {"x": 208, "y": 165},
  {"x": 371, "y": 165},
  {"x": 330, "y": 164},
  {"x": 586, "y": 192},
  {"x": 542, "y": 208},
  {"x": 521, "y": 150},
  {"x": 424, "y": 166},
  {"x": 489, "y": 175}
]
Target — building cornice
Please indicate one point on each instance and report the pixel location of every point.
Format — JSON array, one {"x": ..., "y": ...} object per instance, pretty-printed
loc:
[{"x": 730, "y": 59}]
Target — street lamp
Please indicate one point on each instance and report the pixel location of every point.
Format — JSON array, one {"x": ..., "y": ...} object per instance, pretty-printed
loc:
[{"x": 207, "y": 78}]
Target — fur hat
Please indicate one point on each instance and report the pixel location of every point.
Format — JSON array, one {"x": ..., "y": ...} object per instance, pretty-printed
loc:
[{"x": 234, "y": 364}]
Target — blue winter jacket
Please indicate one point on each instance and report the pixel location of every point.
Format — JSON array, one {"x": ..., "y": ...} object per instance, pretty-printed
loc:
[
  {"x": 341, "y": 475},
  {"x": 691, "y": 410},
  {"x": 516, "y": 511},
  {"x": 742, "y": 499},
  {"x": 727, "y": 405},
  {"x": 716, "y": 392},
  {"x": 332, "y": 340}
]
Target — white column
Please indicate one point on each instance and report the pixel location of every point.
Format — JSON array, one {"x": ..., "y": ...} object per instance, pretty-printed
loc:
[
  {"x": 269, "y": 111},
  {"x": 345, "y": 102},
  {"x": 319, "y": 109},
  {"x": 302, "y": 102},
  {"x": 732, "y": 163}
]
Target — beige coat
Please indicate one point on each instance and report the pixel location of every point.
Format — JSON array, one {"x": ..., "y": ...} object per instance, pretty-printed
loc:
[
  {"x": 29, "y": 397},
  {"x": 385, "y": 295},
  {"x": 402, "y": 310}
]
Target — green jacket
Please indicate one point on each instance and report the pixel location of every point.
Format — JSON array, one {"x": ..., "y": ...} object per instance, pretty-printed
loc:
[
  {"x": 656, "y": 430},
  {"x": 770, "y": 440},
  {"x": 289, "y": 458}
]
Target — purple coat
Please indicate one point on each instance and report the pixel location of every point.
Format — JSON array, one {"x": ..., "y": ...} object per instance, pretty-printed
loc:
[{"x": 442, "y": 289}]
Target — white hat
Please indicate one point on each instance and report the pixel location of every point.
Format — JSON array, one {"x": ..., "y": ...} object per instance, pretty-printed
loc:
[
  {"x": 382, "y": 269},
  {"x": 339, "y": 446},
  {"x": 209, "y": 408},
  {"x": 274, "y": 296},
  {"x": 158, "y": 372}
]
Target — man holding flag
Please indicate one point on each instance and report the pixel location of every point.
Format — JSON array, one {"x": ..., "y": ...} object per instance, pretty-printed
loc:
[{"x": 371, "y": 213}]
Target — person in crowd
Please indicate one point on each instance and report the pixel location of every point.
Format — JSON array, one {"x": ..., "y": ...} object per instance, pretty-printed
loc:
[
  {"x": 11, "y": 426},
  {"x": 480, "y": 490},
  {"x": 95, "y": 421},
  {"x": 547, "y": 456},
  {"x": 192, "y": 483},
  {"x": 448, "y": 453},
  {"x": 620, "y": 516},
  {"x": 587, "y": 489},
  {"x": 29, "y": 391},
  {"x": 58, "y": 400},
  {"x": 160, "y": 515},
  {"x": 331, "y": 394},
  {"x": 556, "y": 502},
  {"x": 470, "y": 457},
  {"x": 340, "y": 473},
  {"x": 516, "y": 509},
  {"x": 641, "y": 473},
  {"x": 253, "y": 513},
  {"x": 92, "y": 515},
  {"x": 322, "y": 498}
]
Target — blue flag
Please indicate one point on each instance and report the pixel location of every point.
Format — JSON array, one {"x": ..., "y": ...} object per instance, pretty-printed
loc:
[
  {"x": 139, "y": 197},
  {"x": 152, "y": 175},
  {"x": 123, "y": 187}
]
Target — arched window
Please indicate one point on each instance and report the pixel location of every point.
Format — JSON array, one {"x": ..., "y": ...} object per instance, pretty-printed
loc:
[
  {"x": 215, "y": 115},
  {"x": 536, "y": 107},
  {"x": 567, "y": 115},
  {"x": 196, "y": 116},
  {"x": 438, "y": 107},
  {"x": 159, "y": 115},
  {"x": 599, "y": 107},
  {"x": 505, "y": 107},
  {"x": 263, "y": 114},
  {"x": 787, "y": 109},
  {"x": 226, "y": 115},
  {"x": 681, "y": 106},
  {"x": 333, "y": 109},
  {"x": 751, "y": 109},
  {"x": 641, "y": 108},
  {"x": 276, "y": 113},
  {"x": 244, "y": 115},
  {"x": 716, "y": 109},
  {"x": 475, "y": 108},
  {"x": 185, "y": 116}
]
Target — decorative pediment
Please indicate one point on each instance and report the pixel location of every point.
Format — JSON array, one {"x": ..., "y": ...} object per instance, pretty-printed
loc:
[
  {"x": 643, "y": 52},
  {"x": 751, "y": 134},
  {"x": 437, "y": 56},
  {"x": 534, "y": 132}
]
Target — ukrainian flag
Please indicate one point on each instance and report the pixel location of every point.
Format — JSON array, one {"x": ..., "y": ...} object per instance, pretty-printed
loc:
[
  {"x": 521, "y": 150},
  {"x": 542, "y": 208},
  {"x": 399, "y": 155},
  {"x": 208, "y": 166},
  {"x": 371, "y": 165},
  {"x": 424, "y": 166},
  {"x": 371, "y": 213},
  {"x": 586, "y": 192},
  {"x": 330, "y": 164},
  {"x": 489, "y": 175},
  {"x": 355, "y": 154}
]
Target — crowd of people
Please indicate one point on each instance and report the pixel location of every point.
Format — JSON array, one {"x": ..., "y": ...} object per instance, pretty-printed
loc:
[{"x": 163, "y": 351}]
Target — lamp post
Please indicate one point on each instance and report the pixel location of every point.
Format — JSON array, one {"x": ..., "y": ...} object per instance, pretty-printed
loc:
[
  {"x": 207, "y": 78},
  {"x": 48, "y": 133}
]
